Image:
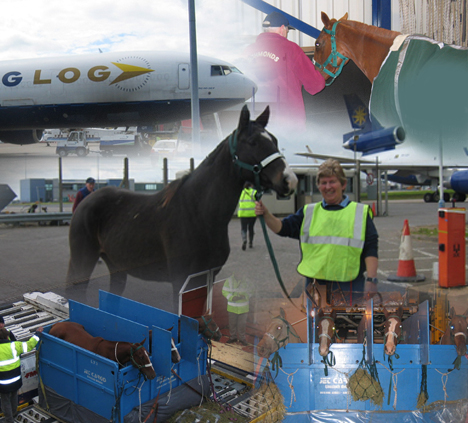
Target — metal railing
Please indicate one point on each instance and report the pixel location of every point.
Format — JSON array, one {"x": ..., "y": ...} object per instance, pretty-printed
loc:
[{"x": 35, "y": 217}]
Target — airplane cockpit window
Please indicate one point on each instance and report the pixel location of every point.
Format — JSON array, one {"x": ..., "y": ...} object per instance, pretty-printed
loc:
[
  {"x": 223, "y": 70},
  {"x": 216, "y": 71}
]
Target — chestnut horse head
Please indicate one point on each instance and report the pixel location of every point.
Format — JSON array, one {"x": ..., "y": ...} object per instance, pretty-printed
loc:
[
  {"x": 457, "y": 331},
  {"x": 325, "y": 330},
  {"x": 279, "y": 333},
  {"x": 342, "y": 40},
  {"x": 393, "y": 328},
  {"x": 137, "y": 355}
]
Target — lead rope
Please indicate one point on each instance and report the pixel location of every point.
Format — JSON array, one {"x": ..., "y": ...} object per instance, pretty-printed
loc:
[
  {"x": 290, "y": 378},
  {"x": 444, "y": 379},
  {"x": 256, "y": 169},
  {"x": 258, "y": 196},
  {"x": 394, "y": 379}
]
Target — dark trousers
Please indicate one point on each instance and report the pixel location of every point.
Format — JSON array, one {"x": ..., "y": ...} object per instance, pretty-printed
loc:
[
  {"x": 237, "y": 324},
  {"x": 9, "y": 406},
  {"x": 247, "y": 225}
]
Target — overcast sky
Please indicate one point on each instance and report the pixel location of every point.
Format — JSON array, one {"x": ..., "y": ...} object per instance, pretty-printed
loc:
[{"x": 35, "y": 28}]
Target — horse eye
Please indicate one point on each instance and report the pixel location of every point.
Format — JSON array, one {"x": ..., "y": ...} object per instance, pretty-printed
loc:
[
  {"x": 279, "y": 328},
  {"x": 452, "y": 327}
]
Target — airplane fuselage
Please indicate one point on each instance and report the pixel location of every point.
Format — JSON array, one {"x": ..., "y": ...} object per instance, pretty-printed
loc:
[{"x": 113, "y": 89}]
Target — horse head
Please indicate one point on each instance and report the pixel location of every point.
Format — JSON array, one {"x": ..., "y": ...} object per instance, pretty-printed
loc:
[
  {"x": 458, "y": 330},
  {"x": 208, "y": 327},
  {"x": 393, "y": 329},
  {"x": 141, "y": 360},
  {"x": 325, "y": 330},
  {"x": 255, "y": 152},
  {"x": 278, "y": 335},
  {"x": 327, "y": 56}
]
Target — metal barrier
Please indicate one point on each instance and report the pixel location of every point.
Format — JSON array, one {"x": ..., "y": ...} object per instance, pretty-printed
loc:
[{"x": 35, "y": 217}]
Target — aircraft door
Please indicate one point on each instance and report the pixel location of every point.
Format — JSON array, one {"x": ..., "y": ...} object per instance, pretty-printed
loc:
[{"x": 184, "y": 76}]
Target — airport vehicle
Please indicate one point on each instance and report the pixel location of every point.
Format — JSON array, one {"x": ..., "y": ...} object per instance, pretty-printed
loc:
[
  {"x": 142, "y": 88},
  {"x": 77, "y": 143}
]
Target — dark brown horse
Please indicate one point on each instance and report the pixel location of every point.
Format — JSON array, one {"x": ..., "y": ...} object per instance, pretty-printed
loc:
[
  {"x": 208, "y": 327},
  {"x": 279, "y": 334},
  {"x": 182, "y": 229},
  {"x": 366, "y": 45},
  {"x": 120, "y": 352},
  {"x": 456, "y": 332}
]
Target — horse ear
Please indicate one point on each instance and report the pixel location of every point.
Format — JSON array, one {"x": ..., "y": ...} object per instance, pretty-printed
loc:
[
  {"x": 263, "y": 118},
  {"x": 282, "y": 313},
  {"x": 452, "y": 313},
  {"x": 244, "y": 118},
  {"x": 400, "y": 311},
  {"x": 325, "y": 19},
  {"x": 142, "y": 342},
  {"x": 333, "y": 314},
  {"x": 344, "y": 18},
  {"x": 386, "y": 313}
]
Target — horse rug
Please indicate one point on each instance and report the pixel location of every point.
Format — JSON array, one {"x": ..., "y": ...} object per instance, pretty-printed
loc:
[{"x": 422, "y": 86}]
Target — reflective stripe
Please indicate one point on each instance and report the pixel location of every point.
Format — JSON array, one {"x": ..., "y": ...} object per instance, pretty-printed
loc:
[
  {"x": 11, "y": 360},
  {"x": 244, "y": 304},
  {"x": 345, "y": 242},
  {"x": 229, "y": 289},
  {"x": 9, "y": 381},
  {"x": 356, "y": 241}
]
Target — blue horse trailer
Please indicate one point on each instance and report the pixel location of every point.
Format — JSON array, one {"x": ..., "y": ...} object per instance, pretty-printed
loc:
[{"x": 315, "y": 392}]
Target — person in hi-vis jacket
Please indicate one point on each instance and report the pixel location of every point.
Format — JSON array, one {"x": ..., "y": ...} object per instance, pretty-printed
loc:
[{"x": 237, "y": 293}]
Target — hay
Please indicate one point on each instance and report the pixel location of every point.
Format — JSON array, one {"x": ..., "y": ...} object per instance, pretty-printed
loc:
[
  {"x": 422, "y": 399},
  {"x": 364, "y": 387},
  {"x": 272, "y": 402}
]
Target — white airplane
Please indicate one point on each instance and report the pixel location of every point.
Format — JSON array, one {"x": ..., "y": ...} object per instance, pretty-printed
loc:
[
  {"x": 110, "y": 90},
  {"x": 410, "y": 162}
]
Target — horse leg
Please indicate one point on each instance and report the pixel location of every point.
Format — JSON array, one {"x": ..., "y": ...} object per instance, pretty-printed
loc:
[
  {"x": 118, "y": 278},
  {"x": 84, "y": 254}
]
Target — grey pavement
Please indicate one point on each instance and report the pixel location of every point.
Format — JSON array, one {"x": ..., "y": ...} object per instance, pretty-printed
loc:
[{"x": 35, "y": 258}]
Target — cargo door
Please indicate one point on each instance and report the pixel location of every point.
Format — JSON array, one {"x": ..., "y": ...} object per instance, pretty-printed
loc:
[{"x": 184, "y": 76}]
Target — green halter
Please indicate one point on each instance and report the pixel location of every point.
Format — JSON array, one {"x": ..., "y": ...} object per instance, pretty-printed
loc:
[{"x": 333, "y": 57}]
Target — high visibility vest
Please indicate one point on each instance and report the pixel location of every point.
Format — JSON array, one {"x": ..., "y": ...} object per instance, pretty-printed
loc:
[
  {"x": 247, "y": 203},
  {"x": 10, "y": 363},
  {"x": 233, "y": 288},
  {"x": 332, "y": 242}
]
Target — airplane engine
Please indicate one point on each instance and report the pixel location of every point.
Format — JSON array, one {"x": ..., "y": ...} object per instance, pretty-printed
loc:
[
  {"x": 379, "y": 140},
  {"x": 21, "y": 137},
  {"x": 459, "y": 183}
]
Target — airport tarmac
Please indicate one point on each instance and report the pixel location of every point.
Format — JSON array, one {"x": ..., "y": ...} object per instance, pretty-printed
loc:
[{"x": 35, "y": 258}]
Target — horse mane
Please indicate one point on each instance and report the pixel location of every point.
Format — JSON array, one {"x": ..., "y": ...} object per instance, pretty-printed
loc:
[
  {"x": 371, "y": 30},
  {"x": 168, "y": 193}
]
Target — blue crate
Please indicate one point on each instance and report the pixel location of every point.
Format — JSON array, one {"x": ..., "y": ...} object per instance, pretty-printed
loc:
[
  {"x": 97, "y": 383},
  {"x": 305, "y": 386}
]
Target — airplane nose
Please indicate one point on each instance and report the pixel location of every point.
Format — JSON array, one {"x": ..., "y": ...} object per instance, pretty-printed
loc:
[{"x": 250, "y": 88}]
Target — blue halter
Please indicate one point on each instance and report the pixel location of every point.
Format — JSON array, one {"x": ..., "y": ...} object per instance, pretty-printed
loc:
[{"x": 333, "y": 57}]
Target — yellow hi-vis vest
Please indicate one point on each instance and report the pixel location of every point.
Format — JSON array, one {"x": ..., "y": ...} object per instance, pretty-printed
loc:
[
  {"x": 247, "y": 203},
  {"x": 232, "y": 289},
  {"x": 10, "y": 363},
  {"x": 332, "y": 242}
]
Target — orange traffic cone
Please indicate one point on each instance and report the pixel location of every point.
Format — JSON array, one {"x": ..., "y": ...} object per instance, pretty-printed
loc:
[{"x": 406, "y": 270}]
